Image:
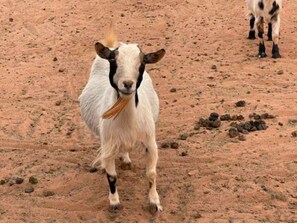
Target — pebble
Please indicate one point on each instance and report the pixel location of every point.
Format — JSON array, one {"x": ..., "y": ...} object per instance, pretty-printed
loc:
[
  {"x": 183, "y": 136},
  {"x": 233, "y": 132},
  {"x": 33, "y": 180},
  {"x": 280, "y": 72},
  {"x": 29, "y": 189},
  {"x": 183, "y": 153},
  {"x": 165, "y": 145},
  {"x": 58, "y": 103},
  {"x": 294, "y": 134},
  {"x": 174, "y": 145},
  {"x": 48, "y": 193},
  {"x": 240, "y": 103},
  {"x": 173, "y": 90},
  {"x": 19, "y": 180}
]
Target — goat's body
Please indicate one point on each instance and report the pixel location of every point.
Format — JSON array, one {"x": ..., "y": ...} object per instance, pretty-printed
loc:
[
  {"x": 98, "y": 96},
  {"x": 253, "y": 7}
]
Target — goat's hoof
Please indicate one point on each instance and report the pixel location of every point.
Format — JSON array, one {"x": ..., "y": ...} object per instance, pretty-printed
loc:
[
  {"x": 252, "y": 35},
  {"x": 126, "y": 166},
  {"x": 154, "y": 208},
  {"x": 114, "y": 208},
  {"x": 262, "y": 55},
  {"x": 276, "y": 55}
]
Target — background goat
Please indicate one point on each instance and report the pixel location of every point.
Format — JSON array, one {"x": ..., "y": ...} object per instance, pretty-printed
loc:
[
  {"x": 262, "y": 11},
  {"x": 120, "y": 105}
]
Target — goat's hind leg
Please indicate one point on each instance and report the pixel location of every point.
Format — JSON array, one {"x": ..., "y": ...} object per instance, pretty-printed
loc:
[
  {"x": 260, "y": 28},
  {"x": 275, "y": 20},
  {"x": 126, "y": 161},
  {"x": 109, "y": 166},
  {"x": 252, "y": 33},
  {"x": 269, "y": 33},
  {"x": 151, "y": 173}
]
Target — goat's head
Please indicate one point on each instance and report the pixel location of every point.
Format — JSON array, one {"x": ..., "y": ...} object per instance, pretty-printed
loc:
[{"x": 127, "y": 65}]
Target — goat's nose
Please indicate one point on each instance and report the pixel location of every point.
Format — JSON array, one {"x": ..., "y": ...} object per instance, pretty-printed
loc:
[{"x": 128, "y": 84}]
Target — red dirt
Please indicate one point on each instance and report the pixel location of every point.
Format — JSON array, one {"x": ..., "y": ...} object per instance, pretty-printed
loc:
[{"x": 46, "y": 54}]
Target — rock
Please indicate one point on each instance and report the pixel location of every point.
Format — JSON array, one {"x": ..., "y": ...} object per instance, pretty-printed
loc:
[
  {"x": 240, "y": 103},
  {"x": 280, "y": 72},
  {"x": 225, "y": 117},
  {"x": 33, "y": 180},
  {"x": 183, "y": 153},
  {"x": 213, "y": 116},
  {"x": 48, "y": 193},
  {"x": 214, "y": 67},
  {"x": 174, "y": 145},
  {"x": 294, "y": 134},
  {"x": 165, "y": 145},
  {"x": 241, "y": 138},
  {"x": 173, "y": 90},
  {"x": 10, "y": 19},
  {"x": 19, "y": 180},
  {"x": 183, "y": 136},
  {"x": 55, "y": 59},
  {"x": 280, "y": 124},
  {"x": 2, "y": 182},
  {"x": 29, "y": 189},
  {"x": 233, "y": 132},
  {"x": 58, "y": 103},
  {"x": 93, "y": 170}
]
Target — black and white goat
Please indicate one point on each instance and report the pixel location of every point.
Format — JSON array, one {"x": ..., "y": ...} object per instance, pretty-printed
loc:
[
  {"x": 262, "y": 11},
  {"x": 121, "y": 107}
]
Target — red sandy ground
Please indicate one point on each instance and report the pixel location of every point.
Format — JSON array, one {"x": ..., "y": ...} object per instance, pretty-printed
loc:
[{"x": 46, "y": 51}]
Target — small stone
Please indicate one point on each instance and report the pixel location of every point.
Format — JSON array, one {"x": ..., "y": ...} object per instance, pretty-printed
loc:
[
  {"x": 197, "y": 215},
  {"x": 58, "y": 103},
  {"x": 174, "y": 145},
  {"x": 165, "y": 145},
  {"x": 93, "y": 170},
  {"x": 294, "y": 134},
  {"x": 33, "y": 180},
  {"x": 280, "y": 124},
  {"x": 19, "y": 180},
  {"x": 61, "y": 70},
  {"x": 233, "y": 132},
  {"x": 213, "y": 116},
  {"x": 48, "y": 193},
  {"x": 257, "y": 117},
  {"x": 29, "y": 189},
  {"x": 122, "y": 14},
  {"x": 280, "y": 72},
  {"x": 10, "y": 19},
  {"x": 183, "y": 136},
  {"x": 215, "y": 124},
  {"x": 2, "y": 182},
  {"x": 240, "y": 103},
  {"x": 225, "y": 117},
  {"x": 183, "y": 153},
  {"x": 173, "y": 90},
  {"x": 241, "y": 138},
  {"x": 55, "y": 59},
  {"x": 214, "y": 67}
]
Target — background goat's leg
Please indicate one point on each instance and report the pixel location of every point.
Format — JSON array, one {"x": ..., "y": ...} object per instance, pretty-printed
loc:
[
  {"x": 260, "y": 27},
  {"x": 275, "y": 36},
  {"x": 151, "y": 164}
]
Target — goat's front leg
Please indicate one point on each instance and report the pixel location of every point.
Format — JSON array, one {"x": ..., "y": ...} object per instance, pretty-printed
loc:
[
  {"x": 260, "y": 27},
  {"x": 252, "y": 33},
  {"x": 275, "y": 36},
  {"x": 151, "y": 173},
  {"x": 109, "y": 166},
  {"x": 269, "y": 33}
]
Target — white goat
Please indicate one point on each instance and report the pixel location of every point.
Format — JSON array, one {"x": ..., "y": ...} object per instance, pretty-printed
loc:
[
  {"x": 262, "y": 11},
  {"x": 119, "y": 82}
]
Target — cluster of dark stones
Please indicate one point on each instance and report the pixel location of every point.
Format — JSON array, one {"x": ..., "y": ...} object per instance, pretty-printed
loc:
[{"x": 238, "y": 126}]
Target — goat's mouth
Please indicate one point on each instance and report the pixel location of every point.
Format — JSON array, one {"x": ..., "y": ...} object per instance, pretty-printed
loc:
[{"x": 126, "y": 93}]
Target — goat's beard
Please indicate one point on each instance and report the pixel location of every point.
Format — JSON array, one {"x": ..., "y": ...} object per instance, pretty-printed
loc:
[{"x": 116, "y": 109}]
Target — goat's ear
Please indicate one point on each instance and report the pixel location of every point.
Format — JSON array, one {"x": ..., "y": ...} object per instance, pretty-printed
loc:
[
  {"x": 154, "y": 57},
  {"x": 102, "y": 51}
]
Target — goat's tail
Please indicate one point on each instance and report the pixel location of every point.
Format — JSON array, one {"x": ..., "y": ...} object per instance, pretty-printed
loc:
[{"x": 110, "y": 39}]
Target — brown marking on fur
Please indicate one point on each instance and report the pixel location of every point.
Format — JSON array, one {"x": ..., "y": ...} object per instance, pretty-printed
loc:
[
  {"x": 275, "y": 40},
  {"x": 116, "y": 109}
]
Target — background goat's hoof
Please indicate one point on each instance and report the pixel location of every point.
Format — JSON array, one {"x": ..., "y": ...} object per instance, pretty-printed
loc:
[
  {"x": 126, "y": 166},
  {"x": 115, "y": 208},
  {"x": 154, "y": 208},
  {"x": 262, "y": 55},
  {"x": 252, "y": 35},
  {"x": 276, "y": 55}
]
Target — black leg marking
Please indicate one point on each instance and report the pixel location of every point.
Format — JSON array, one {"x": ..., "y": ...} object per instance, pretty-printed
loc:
[
  {"x": 112, "y": 183},
  {"x": 150, "y": 185},
  {"x": 262, "y": 50},
  {"x": 261, "y": 5},
  {"x": 275, "y": 7},
  {"x": 275, "y": 51},
  {"x": 252, "y": 33},
  {"x": 260, "y": 34},
  {"x": 269, "y": 34}
]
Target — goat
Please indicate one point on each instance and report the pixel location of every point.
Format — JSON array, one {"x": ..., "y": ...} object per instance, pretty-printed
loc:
[
  {"x": 120, "y": 106},
  {"x": 262, "y": 11}
]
